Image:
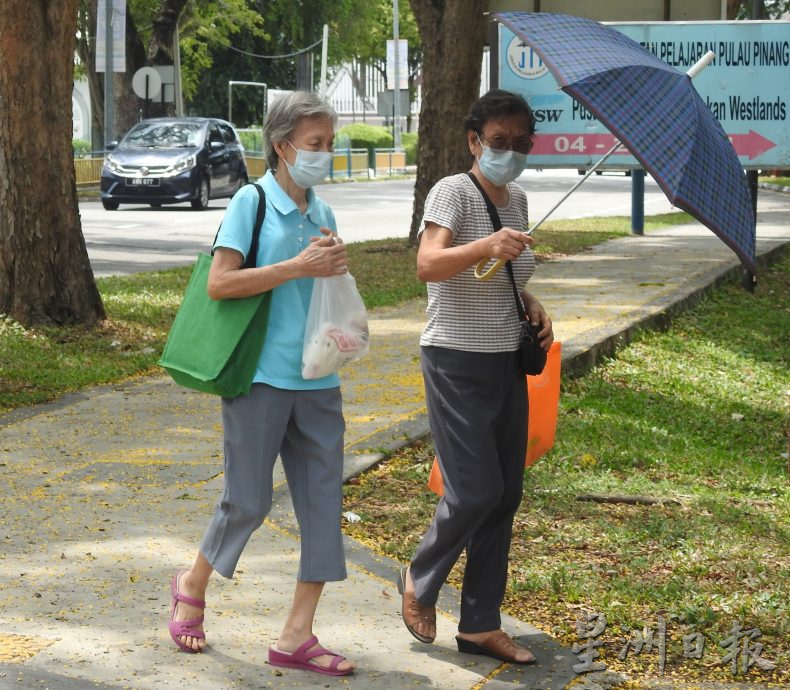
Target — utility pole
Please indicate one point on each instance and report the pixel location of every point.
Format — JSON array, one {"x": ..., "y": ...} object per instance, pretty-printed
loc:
[
  {"x": 177, "y": 64},
  {"x": 748, "y": 279},
  {"x": 396, "y": 91},
  {"x": 109, "y": 95},
  {"x": 324, "y": 48}
]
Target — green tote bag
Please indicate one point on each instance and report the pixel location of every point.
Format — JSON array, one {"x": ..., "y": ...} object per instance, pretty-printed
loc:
[{"x": 214, "y": 345}]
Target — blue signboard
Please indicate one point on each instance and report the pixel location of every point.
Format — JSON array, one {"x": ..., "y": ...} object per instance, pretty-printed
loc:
[{"x": 747, "y": 87}]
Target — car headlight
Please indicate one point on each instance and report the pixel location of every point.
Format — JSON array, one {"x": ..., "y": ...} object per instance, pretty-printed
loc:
[
  {"x": 111, "y": 163},
  {"x": 182, "y": 166}
]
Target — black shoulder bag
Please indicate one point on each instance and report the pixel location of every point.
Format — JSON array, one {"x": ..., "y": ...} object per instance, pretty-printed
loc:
[{"x": 533, "y": 356}]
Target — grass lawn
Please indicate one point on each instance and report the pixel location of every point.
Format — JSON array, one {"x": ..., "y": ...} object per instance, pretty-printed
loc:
[
  {"x": 42, "y": 364},
  {"x": 698, "y": 414},
  {"x": 780, "y": 181}
]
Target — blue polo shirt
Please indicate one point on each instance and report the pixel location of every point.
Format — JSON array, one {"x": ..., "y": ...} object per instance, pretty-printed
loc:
[{"x": 285, "y": 233}]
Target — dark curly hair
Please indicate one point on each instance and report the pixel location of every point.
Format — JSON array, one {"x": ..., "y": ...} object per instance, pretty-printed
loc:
[{"x": 495, "y": 104}]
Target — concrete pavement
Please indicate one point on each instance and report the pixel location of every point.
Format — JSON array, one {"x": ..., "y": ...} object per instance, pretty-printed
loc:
[{"x": 108, "y": 491}]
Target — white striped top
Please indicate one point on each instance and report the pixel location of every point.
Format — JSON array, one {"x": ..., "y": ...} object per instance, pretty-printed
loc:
[{"x": 465, "y": 313}]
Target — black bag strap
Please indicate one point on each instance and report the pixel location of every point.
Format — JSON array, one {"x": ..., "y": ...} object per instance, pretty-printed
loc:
[
  {"x": 497, "y": 223},
  {"x": 260, "y": 214}
]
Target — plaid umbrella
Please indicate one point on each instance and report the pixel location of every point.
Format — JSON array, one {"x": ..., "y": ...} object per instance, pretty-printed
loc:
[{"x": 655, "y": 112}]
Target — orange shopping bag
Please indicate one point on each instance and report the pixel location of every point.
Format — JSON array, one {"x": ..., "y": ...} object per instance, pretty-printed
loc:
[{"x": 544, "y": 399}]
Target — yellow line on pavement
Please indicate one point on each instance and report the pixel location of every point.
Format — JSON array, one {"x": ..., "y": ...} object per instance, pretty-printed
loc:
[{"x": 490, "y": 676}]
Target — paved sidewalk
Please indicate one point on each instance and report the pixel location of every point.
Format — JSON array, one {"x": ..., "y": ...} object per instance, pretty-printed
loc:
[{"x": 108, "y": 491}]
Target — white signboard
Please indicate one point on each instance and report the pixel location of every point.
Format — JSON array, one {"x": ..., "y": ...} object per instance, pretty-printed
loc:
[
  {"x": 118, "y": 36},
  {"x": 403, "y": 64}
]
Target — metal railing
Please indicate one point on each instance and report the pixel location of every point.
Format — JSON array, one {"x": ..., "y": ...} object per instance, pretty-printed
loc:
[
  {"x": 347, "y": 163},
  {"x": 88, "y": 170},
  {"x": 390, "y": 161},
  {"x": 350, "y": 163}
]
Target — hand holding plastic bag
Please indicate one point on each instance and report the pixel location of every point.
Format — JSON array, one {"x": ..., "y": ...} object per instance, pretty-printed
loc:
[{"x": 337, "y": 326}]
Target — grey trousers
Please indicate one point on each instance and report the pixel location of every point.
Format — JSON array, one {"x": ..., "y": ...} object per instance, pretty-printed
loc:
[
  {"x": 306, "y": 429},
  {"x": 477, "y": 410}
]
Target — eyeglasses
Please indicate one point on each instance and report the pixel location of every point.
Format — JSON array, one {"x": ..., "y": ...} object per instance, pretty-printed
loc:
[{"x": 502, "y": 144}]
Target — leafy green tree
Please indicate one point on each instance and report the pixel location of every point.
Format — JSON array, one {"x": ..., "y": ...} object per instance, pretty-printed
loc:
[
  {"x": 357, "y": 29},
  {"x": 150, "y": 28},
  {"x": 744, "y": 9}
]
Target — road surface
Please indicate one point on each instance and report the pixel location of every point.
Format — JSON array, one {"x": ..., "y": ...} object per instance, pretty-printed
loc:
[{"x": 140, "y": 238}]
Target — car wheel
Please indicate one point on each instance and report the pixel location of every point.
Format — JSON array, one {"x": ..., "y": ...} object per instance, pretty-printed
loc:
[
  {"x": 201, "y": 202},
  {"x": 156, "y": 204},
  {"x": 110, "y": 205}
]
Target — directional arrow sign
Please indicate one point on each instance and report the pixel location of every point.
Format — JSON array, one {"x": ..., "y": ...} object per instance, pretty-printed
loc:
[
  {"x": 751, "y": 144},
  {"x": 593, "y": 146}
]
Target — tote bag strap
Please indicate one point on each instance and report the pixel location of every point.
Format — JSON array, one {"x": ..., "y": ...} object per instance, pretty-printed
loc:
[
  {"x": 497, "y": 223},
  {"x": 260, "y": 214}
]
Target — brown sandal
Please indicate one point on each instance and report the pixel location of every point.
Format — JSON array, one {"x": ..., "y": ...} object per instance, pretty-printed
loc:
[
  {"x": 498, "y": 645},
  {"x": 413, "y": 612}
]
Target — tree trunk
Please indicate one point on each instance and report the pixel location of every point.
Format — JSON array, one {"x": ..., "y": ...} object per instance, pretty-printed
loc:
[
  {"x": 160, "y": 48},
  {"x": 453, "y": 34},
  {"x": 45, "y": 274}
]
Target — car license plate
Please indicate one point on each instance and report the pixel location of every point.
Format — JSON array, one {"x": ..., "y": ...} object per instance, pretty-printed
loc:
[{"x": 142, "y": 181}]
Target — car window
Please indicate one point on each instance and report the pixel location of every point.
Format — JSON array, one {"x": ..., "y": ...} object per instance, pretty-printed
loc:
[
  {"x": 228, "y": 134},
  {"x": 163, "y": 135},
  {"x": 215, "y": 134}
]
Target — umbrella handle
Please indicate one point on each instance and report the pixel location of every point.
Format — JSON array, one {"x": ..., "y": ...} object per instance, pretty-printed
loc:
[{"x": 482, "y": 274}]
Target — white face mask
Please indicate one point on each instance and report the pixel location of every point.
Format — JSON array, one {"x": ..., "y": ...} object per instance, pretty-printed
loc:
[
  {"x": 310, "y": 167},
  {"x": 501, "y": 167}
]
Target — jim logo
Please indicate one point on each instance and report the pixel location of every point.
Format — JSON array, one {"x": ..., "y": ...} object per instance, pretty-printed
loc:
[{"x": 523, "y": 61}]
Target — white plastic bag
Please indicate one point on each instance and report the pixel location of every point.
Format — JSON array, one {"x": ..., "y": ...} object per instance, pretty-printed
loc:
[{"x": 337, "y": 326}]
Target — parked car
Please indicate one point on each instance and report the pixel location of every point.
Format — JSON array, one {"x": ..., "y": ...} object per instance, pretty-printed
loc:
[
  {"x": 170, "y": 160},
  {"x": 601, "y": 171}
]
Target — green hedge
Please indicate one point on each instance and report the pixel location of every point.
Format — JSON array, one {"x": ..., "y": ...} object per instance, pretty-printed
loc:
[
  {"x": 80, "y": 147},
  {"x": 409, "y": 142},
  {"x": 252, "y": 141},
  {"x": 361, "y": 136}
]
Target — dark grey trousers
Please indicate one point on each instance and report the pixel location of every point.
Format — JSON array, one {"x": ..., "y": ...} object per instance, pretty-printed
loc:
[
  {"x": 306, "y": 429},
  {"x": 477, "y": 410}
]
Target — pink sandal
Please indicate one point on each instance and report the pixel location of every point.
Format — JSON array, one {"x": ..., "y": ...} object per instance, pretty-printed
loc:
[
  {"x": 302, "y": 658},
  {"x": 188, "y": 627}
]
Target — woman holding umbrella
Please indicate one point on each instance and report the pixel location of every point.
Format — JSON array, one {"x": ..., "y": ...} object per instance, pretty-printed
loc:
[{"x": 475, "y": 390}]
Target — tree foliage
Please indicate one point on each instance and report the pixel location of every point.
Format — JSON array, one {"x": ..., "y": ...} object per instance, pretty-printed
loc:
[
  {"x": 358, "y": 30},
  {"x": 744, "y": 9}
]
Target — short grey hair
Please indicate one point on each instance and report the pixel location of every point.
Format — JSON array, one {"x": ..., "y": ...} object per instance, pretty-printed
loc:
[{"x": 284, "y": 115}]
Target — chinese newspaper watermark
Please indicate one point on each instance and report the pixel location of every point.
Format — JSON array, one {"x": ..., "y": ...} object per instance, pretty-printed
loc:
[{"x": 742, "y": 651}]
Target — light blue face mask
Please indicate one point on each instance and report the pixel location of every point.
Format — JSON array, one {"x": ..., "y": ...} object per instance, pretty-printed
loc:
[
  {"x": 310, "y": 167},
  {"x": 501, "y": 167}
]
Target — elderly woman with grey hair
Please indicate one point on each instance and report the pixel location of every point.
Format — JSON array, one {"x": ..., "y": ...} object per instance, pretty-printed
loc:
[{"x": 284, "y": 414}]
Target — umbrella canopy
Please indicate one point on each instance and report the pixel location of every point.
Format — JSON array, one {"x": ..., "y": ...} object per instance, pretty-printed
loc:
[{"x": 655, "y": 112}]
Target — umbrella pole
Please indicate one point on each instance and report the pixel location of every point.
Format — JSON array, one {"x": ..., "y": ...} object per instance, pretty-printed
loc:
[
  {"x": 693, "y": 71},
  {"x": 598, "y": 163}
]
